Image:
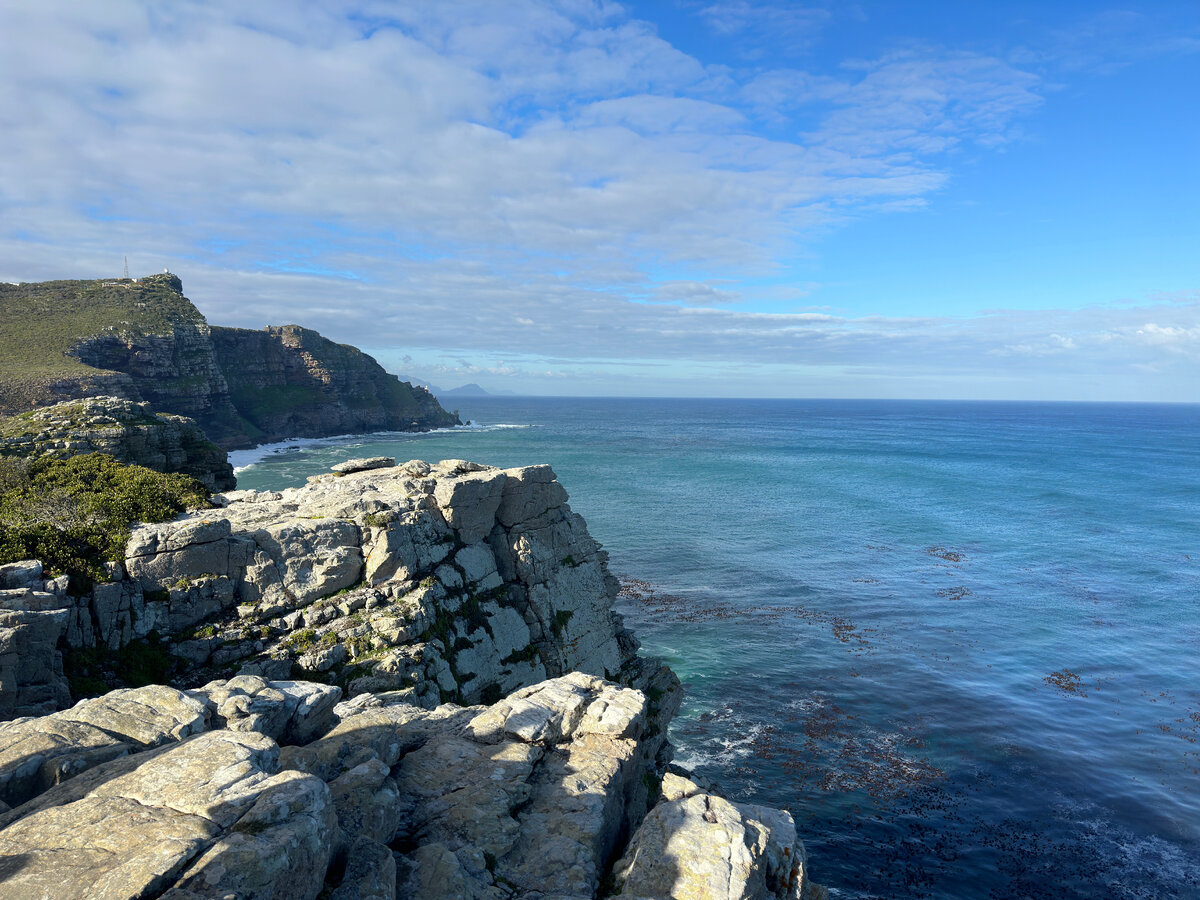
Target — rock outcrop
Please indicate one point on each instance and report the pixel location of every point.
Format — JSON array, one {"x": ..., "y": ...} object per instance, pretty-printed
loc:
[
  {"x": 144, "y": 341},
  {"x": 473, "y": 720},
  {"x": 450, "y": 582},
  {"x": 288, "y": 381},
  {"x": 130, "y": 431},
  {"x": 157, "y": 793}
]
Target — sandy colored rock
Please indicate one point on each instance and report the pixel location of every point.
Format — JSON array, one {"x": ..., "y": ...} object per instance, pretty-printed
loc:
[
  {"x": 128, "y": 836},
  {"x": 278, "y": 850},
  {"x": 702, "y": 847}
]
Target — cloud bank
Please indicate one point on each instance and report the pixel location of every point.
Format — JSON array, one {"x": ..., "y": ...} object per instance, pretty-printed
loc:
[{"x": 495, "y": 178}]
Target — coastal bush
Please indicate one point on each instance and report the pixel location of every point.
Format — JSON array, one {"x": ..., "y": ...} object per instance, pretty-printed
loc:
[
  {"x": 75, "y": 514},
  {"x": 97, "y": 670}
]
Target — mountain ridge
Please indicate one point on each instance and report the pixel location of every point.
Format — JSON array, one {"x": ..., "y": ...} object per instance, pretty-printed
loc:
[{"x": 143, "y": 340}]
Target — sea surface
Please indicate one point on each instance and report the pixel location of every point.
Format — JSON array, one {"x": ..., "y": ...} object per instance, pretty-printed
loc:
[{"x": 959, "y": 641}]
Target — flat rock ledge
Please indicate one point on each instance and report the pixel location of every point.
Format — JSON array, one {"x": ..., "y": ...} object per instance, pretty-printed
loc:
[{"x": 249, "y": 788}]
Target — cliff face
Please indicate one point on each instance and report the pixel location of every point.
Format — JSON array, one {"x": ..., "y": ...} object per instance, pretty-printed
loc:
[
  {"x": 288, "y": 381},
  {"x": 454, "y": 581},
  {"x": 502, "y": 739},
  {"x": 144, "y": 341}
]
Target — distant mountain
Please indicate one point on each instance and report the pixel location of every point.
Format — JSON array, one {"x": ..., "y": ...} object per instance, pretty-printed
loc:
[{"x": 467, "y": 390}]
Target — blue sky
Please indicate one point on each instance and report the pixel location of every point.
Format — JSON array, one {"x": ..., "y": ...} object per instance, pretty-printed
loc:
[{"x": 729, "y": 198}]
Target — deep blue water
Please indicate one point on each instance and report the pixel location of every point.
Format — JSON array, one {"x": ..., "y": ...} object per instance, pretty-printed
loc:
[{"x": 959, "y": 641}]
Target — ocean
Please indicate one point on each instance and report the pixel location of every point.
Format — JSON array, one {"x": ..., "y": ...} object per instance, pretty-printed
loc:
[{"x": 960, "y": 642}]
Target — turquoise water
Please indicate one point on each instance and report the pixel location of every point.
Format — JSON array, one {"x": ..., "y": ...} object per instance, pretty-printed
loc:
[{"x": 959, "y": 641}]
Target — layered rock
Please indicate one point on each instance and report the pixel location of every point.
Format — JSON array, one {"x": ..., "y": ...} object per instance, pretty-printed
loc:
[
  {"x": 449, "y": 582},
  {"x": 400, "y": 587},
  {"x": 158, "y": 793},
  {"x": 172, "y": 367},
  {"x": 130, "y": 431},
  {"x": 288, "y": 381}
]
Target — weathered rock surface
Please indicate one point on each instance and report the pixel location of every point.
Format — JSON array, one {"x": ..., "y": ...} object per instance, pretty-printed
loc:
[
  {"x": 130, "y": 431},
  {"x": 531, "y": 797},
  {"x": 287, "y": 381},
  {"x": 694, "y": 845},
  {"x": 394, "y": 591},
  {"x": 31, "y": 666},
  {"x": 449, "y": 582}
]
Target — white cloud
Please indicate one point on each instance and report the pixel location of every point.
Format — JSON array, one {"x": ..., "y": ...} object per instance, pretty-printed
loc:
[{"x": 476, "y": 176}]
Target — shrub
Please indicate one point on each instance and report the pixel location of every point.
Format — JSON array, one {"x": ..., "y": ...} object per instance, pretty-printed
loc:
[{"x": 74, "y": 514}]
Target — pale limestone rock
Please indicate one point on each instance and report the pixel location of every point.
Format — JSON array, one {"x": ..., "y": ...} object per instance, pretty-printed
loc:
[
  {"x": 315, "y": 558},
  {"x": 25, "y": 574},
  {"x": 469, "y": 502},
  {"x": 147, "y": 716},
  {"x": 367, "y": 801},
  {"x": 529, "y": 493},
  {"x": 127, "y": 828},
  {"x": 478, "y": 565},
  {"x": 539, "y": 785},
  {"x": 543, "y": 713},
  {"x": 31, "y": 673},
  {"x": 414, "y": 541},
  {"x": 278, "y": 850},
  {"x": 701, "y": 847},
  {"x": 677, "y": 787},
  {"x": 36, "y": 754},
  {"x": 370, "y": 733}
]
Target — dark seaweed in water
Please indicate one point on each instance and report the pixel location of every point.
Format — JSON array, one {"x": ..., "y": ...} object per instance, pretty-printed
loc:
[{"x": 911, "y": 830}]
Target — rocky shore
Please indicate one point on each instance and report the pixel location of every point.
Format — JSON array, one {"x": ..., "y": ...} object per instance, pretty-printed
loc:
[{"x": 395, "y": 681}]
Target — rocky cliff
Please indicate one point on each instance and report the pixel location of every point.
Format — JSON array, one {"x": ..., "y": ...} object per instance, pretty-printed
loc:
[
  {"x": 129, "y": 431},
  {"x": 501, "y": 736},
  {"x": 289, "y": 381},
  {"x": 144, "y": 341}
]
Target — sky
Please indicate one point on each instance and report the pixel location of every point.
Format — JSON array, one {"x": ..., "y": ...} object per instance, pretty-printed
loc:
[{"x": 676, "y": 198}]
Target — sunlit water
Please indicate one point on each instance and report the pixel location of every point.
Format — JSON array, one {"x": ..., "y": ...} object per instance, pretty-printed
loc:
[{"x": 960, "y": 642}]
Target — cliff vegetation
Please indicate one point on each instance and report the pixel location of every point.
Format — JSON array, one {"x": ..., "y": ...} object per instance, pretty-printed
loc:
[
  {"x": 40, "y": 324},
  {"x": 75, "y": 514}
]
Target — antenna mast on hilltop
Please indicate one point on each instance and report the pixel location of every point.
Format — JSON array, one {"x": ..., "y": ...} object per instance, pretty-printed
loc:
[{"x": 126, "y": 275}]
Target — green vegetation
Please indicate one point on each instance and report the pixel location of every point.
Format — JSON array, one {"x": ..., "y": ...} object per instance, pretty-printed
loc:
[
  {"x": 76, "y": 415},
  {"x": 97, "y": 670},
  {"x": 302, "y": 640},
  {"x": 259, "y": 402},
  {"x": 75, "y": 514},
  {"x": 41, "y": 323},
  {"x": 561, "y": 618},
  {"x": 529, "y": 654}
]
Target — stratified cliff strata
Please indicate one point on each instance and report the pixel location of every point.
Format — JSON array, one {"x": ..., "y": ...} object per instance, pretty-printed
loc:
[
  {"x": 144, "y": 341},
  {"x": 289, "y": 381}
]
